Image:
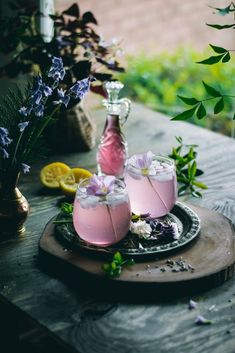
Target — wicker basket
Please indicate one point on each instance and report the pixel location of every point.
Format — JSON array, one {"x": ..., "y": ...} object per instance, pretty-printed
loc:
[{"x": 74, "y": 131}]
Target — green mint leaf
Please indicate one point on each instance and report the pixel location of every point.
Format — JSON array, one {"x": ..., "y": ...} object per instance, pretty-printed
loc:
[
  {"x": 117, "y": 257},
  {"x": 221, "y": 26},
  {"x": 115, "y": 267},
  {"x": 199, "y": 172},
  {"x": 196, "y": 194},
  {"x": 219, "y": 106},
  {"x": 192, "y": 170},
  {"x": 201, "y": 112},
  {"x": 226, "y": 58},
  {"x": 66, "y": 208},
  {"x": 182, "y": 190},
  {"x": 234, "y": 116},
  {"x": 218, "y": 50},
  {"x": 179, "y": 139},
  {"x": 189, "y": 101},
  {"x": 185, "y": 115},
  {"x": 211, "y": 91},
  {"x": 199, "y": 184},
  {"x": 223, "y": 11},
  {"x": 211, "y": 60}
]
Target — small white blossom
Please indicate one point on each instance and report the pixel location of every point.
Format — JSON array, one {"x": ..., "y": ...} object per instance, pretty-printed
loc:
[{"x": 141, "y": 228}]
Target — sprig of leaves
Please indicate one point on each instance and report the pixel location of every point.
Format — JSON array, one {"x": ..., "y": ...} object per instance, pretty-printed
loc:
[
  {"x": 224, "y": 55},
  {"x": 66, "y": 208},
  {"x": 115, "y": 267},
  {"x": 199, "y": 108},
  {"x": 186, "y": 169},
  {"x": 67, "y": 212}
]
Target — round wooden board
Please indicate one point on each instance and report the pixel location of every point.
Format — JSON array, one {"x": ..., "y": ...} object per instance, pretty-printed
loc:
[{"x": 211, "y": 255}]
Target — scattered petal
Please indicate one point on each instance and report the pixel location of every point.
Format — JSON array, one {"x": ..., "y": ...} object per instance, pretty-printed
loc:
[
  {"x": 192, "y": 304},
  {"x": 201, "y": 320}
]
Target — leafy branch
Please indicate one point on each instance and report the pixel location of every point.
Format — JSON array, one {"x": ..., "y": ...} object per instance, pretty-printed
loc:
[
  {"x": 115, "y": 267},
  {"x": 223, "y": 56},
  {"x": 198, "y": 106},
  {"x": 186, "y": 169}
]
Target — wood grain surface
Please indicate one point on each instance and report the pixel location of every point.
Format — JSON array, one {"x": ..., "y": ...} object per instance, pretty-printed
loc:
[
  {"x": 211, "y": 256},
  {"x": 87, "y": 324}
]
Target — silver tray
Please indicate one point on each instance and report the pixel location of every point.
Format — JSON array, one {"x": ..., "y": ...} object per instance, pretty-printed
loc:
[{"x": 188, "y": 226}]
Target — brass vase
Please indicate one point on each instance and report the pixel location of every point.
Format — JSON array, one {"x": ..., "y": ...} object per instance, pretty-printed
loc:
[{"x": 14, "y": 207}]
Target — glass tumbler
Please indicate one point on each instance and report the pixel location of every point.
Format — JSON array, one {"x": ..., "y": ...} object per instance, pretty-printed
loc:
[
  {"x": 102, "y": 220},
  {"x": 151, "y": 190}
]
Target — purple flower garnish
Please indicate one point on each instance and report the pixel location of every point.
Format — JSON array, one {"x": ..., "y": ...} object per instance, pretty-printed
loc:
[
  {"x": 25, "y": 168},
  {"x": 57, "y": 71},
  {"x": 23, "y": 125},
  {"x": 64, "y": 99},
  {"x": 192, "y": 304},
  {"x": 142, "y": 164},
  {"x": 201, "y": 320},
  {"x": 80, "y": 88},
  {"x": 144, "y": 161},
  {"x": 100, "y": 185}
]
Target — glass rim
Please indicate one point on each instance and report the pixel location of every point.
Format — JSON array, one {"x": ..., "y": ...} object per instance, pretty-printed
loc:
[
  {"x": 166, "y": 159},
  {"x": 84, "y": 182}
]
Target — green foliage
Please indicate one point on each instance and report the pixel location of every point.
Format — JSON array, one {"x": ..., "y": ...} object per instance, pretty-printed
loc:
[
  {"x": 75, "y": 40},
  {"x": 66, "y": 208},
  {"x": 186, "y": 168},
  {"x": 115, "y": 267},
  {"x": 224, "y": 56},
  {"x": 157, "y": 81}
]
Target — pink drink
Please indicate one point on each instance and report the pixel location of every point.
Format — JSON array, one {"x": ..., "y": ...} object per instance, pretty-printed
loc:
[
  {"x": 111, "y": 156},
  {"x": 155, "y": 193},
  {"x": 102, "y": 220}
]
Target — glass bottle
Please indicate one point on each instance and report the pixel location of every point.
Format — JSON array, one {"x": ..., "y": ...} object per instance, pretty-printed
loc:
[{"x": 112, "y": 150}]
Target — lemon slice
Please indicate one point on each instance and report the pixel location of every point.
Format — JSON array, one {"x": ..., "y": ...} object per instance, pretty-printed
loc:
[
  {"x": 69, "y": 182},
  {"x": 51, "y": 174}
]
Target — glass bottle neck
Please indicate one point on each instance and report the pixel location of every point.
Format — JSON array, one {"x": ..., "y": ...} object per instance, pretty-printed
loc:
[
  {"x": 112, "y": 121},
  {"x": 113, "y": 108}
]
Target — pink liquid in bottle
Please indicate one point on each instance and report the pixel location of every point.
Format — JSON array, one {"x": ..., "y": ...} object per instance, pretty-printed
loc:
[{"x": 112, "y": 152}]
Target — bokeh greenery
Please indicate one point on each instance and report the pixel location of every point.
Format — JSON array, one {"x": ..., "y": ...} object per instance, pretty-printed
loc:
[{"x": 156, "y": 81}]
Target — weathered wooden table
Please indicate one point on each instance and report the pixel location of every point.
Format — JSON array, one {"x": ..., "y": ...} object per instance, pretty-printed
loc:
[{"x": 83, "y": 323}]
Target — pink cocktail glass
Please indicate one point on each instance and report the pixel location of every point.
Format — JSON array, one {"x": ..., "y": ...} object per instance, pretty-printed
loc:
[
  {"x": 151, "y": 189},
  {"x": 102, "y": 219}
]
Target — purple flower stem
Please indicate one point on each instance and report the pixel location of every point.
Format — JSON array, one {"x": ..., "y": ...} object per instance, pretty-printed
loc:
[
  {"x": 42, "y": 128},
  {"x": 158, "y": 194},
  {"x": 114, "y": 230},
  {"x": 16, "y": 149}
]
